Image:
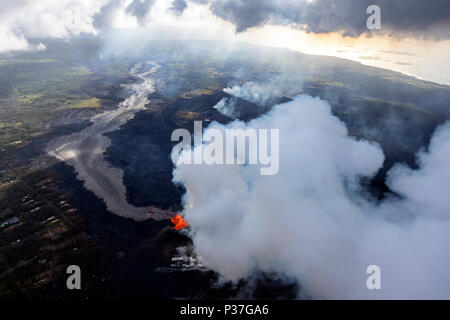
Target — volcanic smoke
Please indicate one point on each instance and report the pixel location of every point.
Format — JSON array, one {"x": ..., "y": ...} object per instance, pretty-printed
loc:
[{"x": 313, "y": 222}]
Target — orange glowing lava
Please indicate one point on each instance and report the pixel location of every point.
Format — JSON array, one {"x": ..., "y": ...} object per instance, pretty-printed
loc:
[{"x": 179, "y": 222}]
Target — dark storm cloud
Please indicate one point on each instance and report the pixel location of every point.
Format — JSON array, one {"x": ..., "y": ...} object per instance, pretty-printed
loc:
[
  {"x": 416, "y": 17},
  {"x": 103, "y": 18},
  {"x": 178, "y": 6},
  {"x": 137, "y": 8},
  {"x": 140, "y": 8}
]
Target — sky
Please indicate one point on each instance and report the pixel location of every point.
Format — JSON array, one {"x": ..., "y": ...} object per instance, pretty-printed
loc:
[{"x": 414, "y": 38}]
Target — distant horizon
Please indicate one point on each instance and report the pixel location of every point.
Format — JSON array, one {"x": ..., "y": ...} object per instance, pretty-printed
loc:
[
  {"x": 324, "y": 27},
  {"x": 362, "y": 60}
]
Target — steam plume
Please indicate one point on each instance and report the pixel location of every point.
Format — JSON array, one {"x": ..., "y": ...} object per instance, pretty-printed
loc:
[
  {"x": 259, "y": 94},
  {"x": 313, "y": 221}
]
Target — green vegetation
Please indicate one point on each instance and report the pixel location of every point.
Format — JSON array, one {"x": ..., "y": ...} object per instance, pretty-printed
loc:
[
  {"x": 17, "y": 61},
  {"x": 36, "y": 88},
  {"x": 82, "y": 104},
  {"x": 46, "y": 233},
  {"x": 29, "y": 98},
  {"x": 117, "y": 68},
  {"x": 32, "y": 94}
]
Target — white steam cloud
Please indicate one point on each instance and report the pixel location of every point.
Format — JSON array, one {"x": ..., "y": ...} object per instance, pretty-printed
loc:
[
  {"x": 257, "y": 93},
  {"x": 313, "y": 221},
  {"x": 251, "y": 91},
  {"x": 227, "y": 107},
  {"x": 24, "y": 21},
  {"x": 21, "y": 20}
]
